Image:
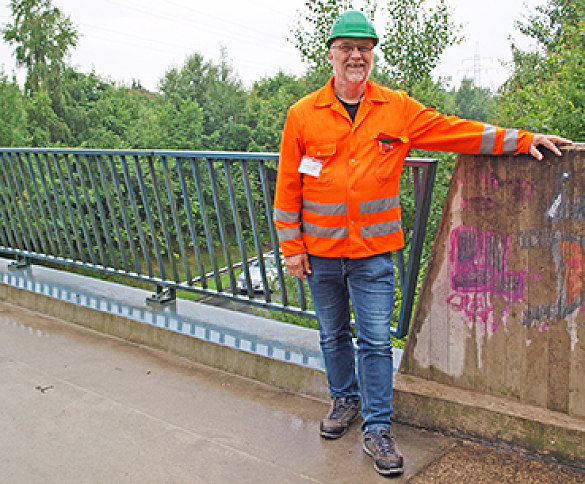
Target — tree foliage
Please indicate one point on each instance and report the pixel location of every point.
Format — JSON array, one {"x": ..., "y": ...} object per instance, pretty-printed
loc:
[
  {"x": 43, "y": 37},
  {"x": 416, "y": 36},
  {"x": 546, "y": 92}
]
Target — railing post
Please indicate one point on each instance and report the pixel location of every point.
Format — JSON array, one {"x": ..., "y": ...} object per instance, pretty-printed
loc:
[
  {"x": 19, "y": 264},
  {"x": 164, "y": 296}
]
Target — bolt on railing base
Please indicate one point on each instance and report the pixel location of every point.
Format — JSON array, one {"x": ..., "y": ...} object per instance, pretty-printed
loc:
[
  {"x": 163, "y": 297},
  {"x": 19, "y": 264}
]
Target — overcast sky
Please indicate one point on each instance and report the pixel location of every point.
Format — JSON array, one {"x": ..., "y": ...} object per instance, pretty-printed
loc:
[{"x": 141, "y": 39}]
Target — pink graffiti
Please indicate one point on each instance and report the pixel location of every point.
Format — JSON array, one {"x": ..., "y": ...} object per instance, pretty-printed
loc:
[
  {"x": 479, "y": 264},
  {"x": 477, "y": 307},
  {"x": 518, "y": 189}
]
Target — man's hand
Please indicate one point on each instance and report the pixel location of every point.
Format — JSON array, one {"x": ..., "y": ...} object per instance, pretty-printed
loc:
[
  {"x": 298, "y": 265},
  {"x": 549, "y": 142}
]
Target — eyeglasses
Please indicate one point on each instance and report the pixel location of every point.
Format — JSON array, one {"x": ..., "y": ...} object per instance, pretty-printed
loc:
[{"x": 348, "y": 48}]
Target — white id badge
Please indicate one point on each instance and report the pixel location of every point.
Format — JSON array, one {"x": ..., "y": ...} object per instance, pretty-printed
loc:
[{"x": 310, "y": 166}]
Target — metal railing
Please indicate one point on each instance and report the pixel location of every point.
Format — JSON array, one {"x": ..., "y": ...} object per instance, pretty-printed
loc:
[{"x": 181, "y": 220}]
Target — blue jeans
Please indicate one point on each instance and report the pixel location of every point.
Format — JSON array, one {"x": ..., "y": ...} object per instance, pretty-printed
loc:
[{"x": 369, "y": 284}]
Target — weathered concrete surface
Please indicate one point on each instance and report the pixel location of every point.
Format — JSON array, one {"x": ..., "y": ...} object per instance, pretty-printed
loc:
[
  {"x": 500, "y": 315},
  {"x": 77, "y": 406}
]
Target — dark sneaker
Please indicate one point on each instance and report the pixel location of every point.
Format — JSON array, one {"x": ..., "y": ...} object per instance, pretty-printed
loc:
[
  {"x": 381, "y": 447},
  {"x": 343, "y": 412}
]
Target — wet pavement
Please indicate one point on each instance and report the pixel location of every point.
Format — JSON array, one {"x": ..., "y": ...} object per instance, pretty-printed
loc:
[{"x": 77, "y": 406}]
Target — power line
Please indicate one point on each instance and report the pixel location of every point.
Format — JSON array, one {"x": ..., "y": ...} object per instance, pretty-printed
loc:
[{"x": 253, "y": 36}]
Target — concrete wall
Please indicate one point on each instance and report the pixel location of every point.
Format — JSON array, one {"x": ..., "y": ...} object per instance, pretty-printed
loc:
[{"x": 502, "y": 307}]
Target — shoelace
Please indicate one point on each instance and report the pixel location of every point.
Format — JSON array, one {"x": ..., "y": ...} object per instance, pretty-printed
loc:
[
  {"x": 385, "y": 442},
  {"x": 339, "y": 406}
]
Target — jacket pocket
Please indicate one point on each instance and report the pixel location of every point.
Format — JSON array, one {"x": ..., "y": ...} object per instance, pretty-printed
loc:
[
  {"x": 392, "y": 150},
  {"x": 323, "y": 152}
]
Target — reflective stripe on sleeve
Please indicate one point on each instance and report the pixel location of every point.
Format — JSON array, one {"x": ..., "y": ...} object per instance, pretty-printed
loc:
[
  {"x": 287, "y": 216},
  {"x": 289, "y": 234},
  {"x": 379, "y": 205},
  {"x": 381, "y": 229},
  {"x": 488, "y": 140},
  {"x": 510, "y": 141},
  {"x": 325, "y": 232},
  {"x": 325, "y": 209}
]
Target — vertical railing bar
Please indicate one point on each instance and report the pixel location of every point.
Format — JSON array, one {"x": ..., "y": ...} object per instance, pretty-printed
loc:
[
  {"x": 32, "y": 195},
  {"x": 102, "y": 214},
  {"x": 174, "y": 213},
  {"x": 189, "y": 212},
  {"x": 79, "y": 205},
  {"x": 58, "y": 204},
  {"x": 125, "y": 221},
  {"x": 5, "y": 232},
  {"x": 254, "y": 222},
  {"x": 220, "y": 219},
  {"x": 418, "y": 184},
  {"x": 163, "y": 218},
  {"x": 48, "y": 198},
  {"x": 302, "y": 296},
  {"x": 70, "y": 211},
  {"x": 20, "y": 209},
  {"x": 13, "y": 234},
  {"x": 97, "y": 233},
  {"x": 135, "y": 212},
  {"x": 149, "y": 222},
  {"x": 39, "y": 197},
  {"x": 239, "y": 234},
  {"x": 272, "y": 230},
  {"x": 148, "y": 211},
  {"x": 204, "y": 217},
  {"x": 113, "y": 212},
  {"x": 416, "y": 245}
]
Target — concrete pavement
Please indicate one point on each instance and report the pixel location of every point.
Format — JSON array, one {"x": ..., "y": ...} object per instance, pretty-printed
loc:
[{"x": 77, "y": 406}]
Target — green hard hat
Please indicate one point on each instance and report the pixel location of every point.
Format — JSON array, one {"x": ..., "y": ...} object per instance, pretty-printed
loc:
[{"x": 352, "y": 24}]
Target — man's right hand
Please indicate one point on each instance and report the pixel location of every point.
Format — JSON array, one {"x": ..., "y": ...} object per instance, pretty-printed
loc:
[{"x": 298, "y": 265}]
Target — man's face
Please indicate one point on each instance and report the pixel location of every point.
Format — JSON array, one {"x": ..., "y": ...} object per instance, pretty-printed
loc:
[{"x": 351, "y": 58}]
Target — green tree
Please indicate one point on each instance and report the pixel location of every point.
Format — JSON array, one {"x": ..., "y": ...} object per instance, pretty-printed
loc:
[
  {"x": 220, "y": 95},
  {"x": 471, "y": 102},
  {"x": 13, "y": 120},
  {"x": 547, "y": 24},
  {"x": 546, "y": 91},
  {"x": 43, "y": 37},
  {"x": 416, "y": 36}
]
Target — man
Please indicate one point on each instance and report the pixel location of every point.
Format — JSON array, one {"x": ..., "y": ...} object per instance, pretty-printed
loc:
[{"x": 337, "y": 213}]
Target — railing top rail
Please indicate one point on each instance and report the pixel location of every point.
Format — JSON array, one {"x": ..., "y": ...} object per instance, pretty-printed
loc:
[
  {"x": 219, "y": 155},
  {"x": 224, "y": 155}
]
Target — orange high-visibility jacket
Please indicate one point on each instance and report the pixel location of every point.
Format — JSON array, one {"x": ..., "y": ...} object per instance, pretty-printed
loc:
[{"x": 351, "y": 208}]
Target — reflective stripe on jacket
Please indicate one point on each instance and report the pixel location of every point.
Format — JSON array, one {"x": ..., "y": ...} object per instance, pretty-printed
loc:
[{"x": 352, "y": 208}]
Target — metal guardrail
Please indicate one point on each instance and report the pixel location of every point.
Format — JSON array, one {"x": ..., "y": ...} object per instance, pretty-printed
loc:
[{"x": 181, "y": 220}]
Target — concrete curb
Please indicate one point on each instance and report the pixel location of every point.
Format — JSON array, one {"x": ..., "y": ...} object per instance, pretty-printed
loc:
[{"x": 552, "y": 436}]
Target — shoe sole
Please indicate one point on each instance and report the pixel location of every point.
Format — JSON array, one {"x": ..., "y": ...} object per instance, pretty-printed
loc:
[{"x": 383, "y": 472}]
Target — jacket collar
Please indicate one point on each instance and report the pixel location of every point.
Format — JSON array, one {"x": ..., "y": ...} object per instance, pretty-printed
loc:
[{"x": 326, "y": 95}]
